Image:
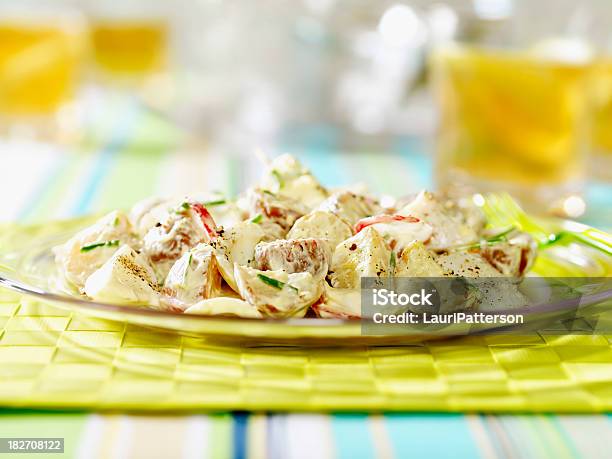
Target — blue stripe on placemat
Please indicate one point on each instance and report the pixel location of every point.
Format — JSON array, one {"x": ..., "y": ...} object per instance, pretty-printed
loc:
[
  {"x": 239, "y": 435},
  {"x": 352, "y": 437},
  {"x": 434, "y": 436},
  {"x": 119, "y": 138},
  {"x": 44, "y": 186}
]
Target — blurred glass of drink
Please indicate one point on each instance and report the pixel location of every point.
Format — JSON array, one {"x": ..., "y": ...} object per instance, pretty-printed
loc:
[
  {"x": 511, "y": 120},
  {"x": 602, "y": 119},
  {"x": 129, "y": 39},
  {"x": 39, "y": 60},
  {"x": 129, "y": 46}
]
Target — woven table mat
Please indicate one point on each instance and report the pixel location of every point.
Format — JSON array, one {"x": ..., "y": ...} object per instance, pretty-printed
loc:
[{"x": 52, "y": 358}]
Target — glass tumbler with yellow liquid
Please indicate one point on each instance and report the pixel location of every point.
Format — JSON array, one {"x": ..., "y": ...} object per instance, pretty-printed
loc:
[
  {"x": 129, "y": 47},
  {"x": 40, "y": 52},
  {"x": 512, "y": 121},
  {"x": 129, "y": 40},
  {"x": 601, "y": 164}
]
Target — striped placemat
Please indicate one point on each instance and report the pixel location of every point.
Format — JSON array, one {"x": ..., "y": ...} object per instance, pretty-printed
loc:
[{"x": 306, "y": 436}]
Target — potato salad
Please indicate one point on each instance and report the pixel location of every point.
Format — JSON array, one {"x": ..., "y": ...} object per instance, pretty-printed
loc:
[{"x": 286, "y": 247}]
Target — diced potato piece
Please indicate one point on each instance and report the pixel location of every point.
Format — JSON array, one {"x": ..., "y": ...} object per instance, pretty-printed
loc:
[
  {"x": 466, "y": 264},
  {"x": 276, "y": 293},
  {"x": 305, "y": 189},
  {"x": 513, "y": 258},
  {"x": 226, "y": 215},
  {"x": 236, "y": 246},
  {"x": 224, "y": 306},
  {"x": 339, "y": 303},
  {"x": 180, "y": 229},
  {"x": 193, "y": 277},
  {"x": 272, "y": 231},
  {"x": 416, "y": 261},
  {"x": 349, "y": 206},
  {"x": 294, "y": 256},
  {"x": 285, "y": 166},
  {"x": 399, "y": 231},
  {"x": 322, "y": 225},
  {"x": 500, "y": 294},
  {"x": 287, "y": 177},
  {"x": 90, "y": 248},
  {"x": 364, "y": 255},
  {"x": 126, "y": 278},
  {"x": 145, "y": 214},
  {"x": 452, "y": 225},
  {"x": 265, "y": 205}
]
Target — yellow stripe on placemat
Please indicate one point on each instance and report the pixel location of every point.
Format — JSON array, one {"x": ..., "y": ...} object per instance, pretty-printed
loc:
[{"x": 48, "y": 358}]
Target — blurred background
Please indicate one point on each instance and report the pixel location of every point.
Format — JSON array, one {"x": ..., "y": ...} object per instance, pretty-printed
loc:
[{"x": 478, "y": 94}]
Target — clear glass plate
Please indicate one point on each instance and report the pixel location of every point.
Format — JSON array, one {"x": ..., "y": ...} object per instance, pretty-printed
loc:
[{"x": 27, "y": 266}]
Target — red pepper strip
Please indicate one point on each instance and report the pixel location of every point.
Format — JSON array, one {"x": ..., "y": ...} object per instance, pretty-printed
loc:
[
  {"x": 207, "y": 220},
  {"x": 364, "y": 222}
]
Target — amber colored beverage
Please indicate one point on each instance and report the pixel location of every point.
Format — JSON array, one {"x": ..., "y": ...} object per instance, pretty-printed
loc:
[
  {"x": 129, "y": 47},
  {"x": 38, "y": 67},
  {"x": 510, "y": 120},
  {"x": 602, "y": 118}
]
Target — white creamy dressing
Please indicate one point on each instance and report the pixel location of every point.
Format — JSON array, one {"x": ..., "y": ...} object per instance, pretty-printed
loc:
[
  {"x": 167, "y": 239},
  {"x": 403, "y": 232},
  {"x": 323, "y": 225},
  {"x": 297, "y": 291},
  {"x": 77, "y": 263},
  {"x": 348, "y": 206},
  {"x": 292, "y": 255},
  {"x": 340, "y": 302},
  {"x": 305, "y": 189},
  {"x": 191, "y": 275},
  {"x": 237, "y": 246},
  {"x": 287, "y": 177},
  {"x": 125, "y": 278},
  {"x": 224, "y": 306},
  {"x": 449, "y": 227}
]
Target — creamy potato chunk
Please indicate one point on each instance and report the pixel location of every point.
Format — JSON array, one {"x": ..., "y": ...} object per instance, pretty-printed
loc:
[
  {"x": 321, "y": 225},
  {"x": 126, "y": 278},
  {"x": 364, "y": 255},
  {"x": 350, "y": 207},
  {"x": 89, "y": 249},
  {"x": 294, "y": 256},
  {"x": 276, "y": 293},
  {"x": 193, "y": 277}
]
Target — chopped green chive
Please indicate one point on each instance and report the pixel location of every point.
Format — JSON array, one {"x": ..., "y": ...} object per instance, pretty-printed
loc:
[
  {"x": 218, "y": 202},
  {"x": 392, "y": 261},
  {"x": 274, "y": 283},
  {"x": 500, "y": 237},
  {"x": 268, "y": 192},
  {"x": 187, "y": 265},
  {"x": 116, "y": 221},
  {"x": 279, "y": 178},
  {"x": 257, "y": 218},
  {"x": 95, "y": 245},
  {"x": 182, "y": 208}
]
